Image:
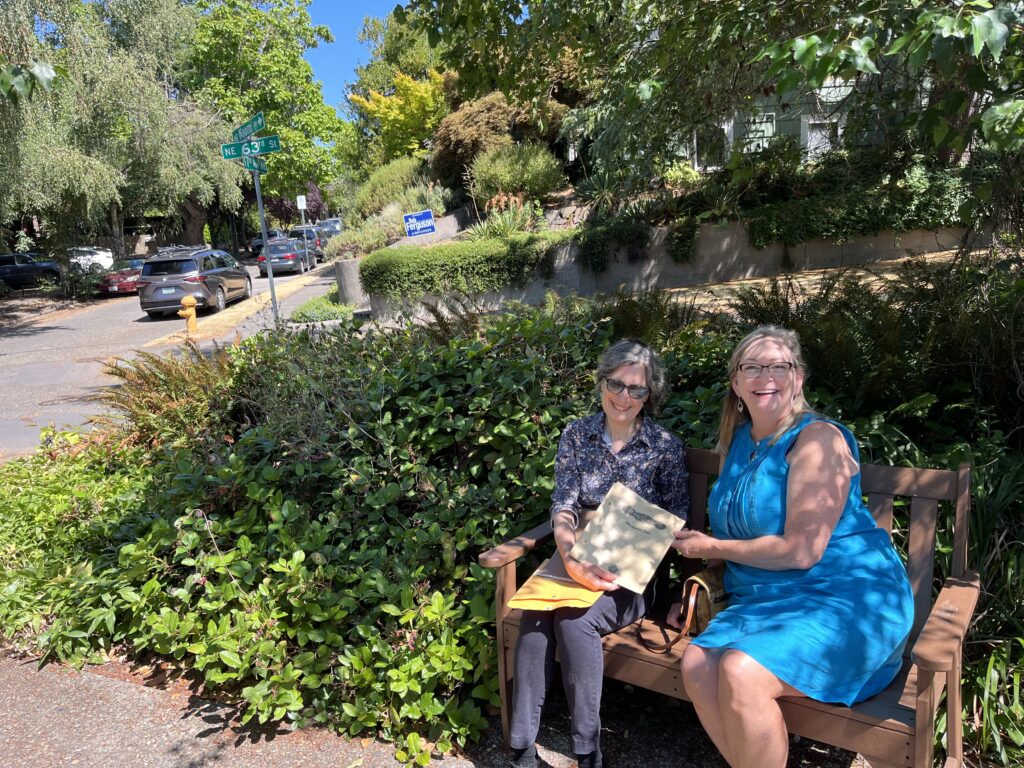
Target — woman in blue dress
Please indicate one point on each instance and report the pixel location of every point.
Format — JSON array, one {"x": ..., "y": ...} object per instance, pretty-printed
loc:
[{"x": 820, "y": 603}]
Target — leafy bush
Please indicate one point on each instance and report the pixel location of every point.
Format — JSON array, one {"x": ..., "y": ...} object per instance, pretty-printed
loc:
[
  {"x": 373, "y": 233},
  {"x": 484, "y": 124},
  {"x": 507, "y": 216},
  {"x": 527, "y": 168},
  {"x": 321, "y": 309},
  {"x": 681, "y": 175},
  {"x": 411, "y": 271},
  {"x": 475, "y": 127},
  {"x": 386, "y": 184},
  {"x": 314, "y": 545},
  {"x": 682, "y": 239},
  {"x": 596, "y": 241}
]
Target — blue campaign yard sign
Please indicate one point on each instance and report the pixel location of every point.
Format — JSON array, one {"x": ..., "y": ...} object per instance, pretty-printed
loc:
[{"x": 421, "y": 223}]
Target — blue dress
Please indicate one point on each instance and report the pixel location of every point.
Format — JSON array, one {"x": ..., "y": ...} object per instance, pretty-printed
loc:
[{"x": 835, "y": 631}]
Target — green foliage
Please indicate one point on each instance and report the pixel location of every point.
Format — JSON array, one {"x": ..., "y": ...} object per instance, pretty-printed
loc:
[
  {"x": 472, "y": 129},
  {"x": 177, "y": 400},
  {"x": 312, "y": 541},
  {"x": 511, "y": 217},
  {"x": 403, "y": 120},
  {"x": 596, "y": 241},
  {"x": 682, "y": 239},
  {"x": 386, "y": 184},
  {"x": 246, "y": 58},
  {"x": 321, "y": 309},
  {"x": 682, "y": 176},
  {"x": 20, "y": 81},
  {"x": 918, "y": 197},
  {"x": 410, "y": 271},
  {"x": 529, "y": 169}
]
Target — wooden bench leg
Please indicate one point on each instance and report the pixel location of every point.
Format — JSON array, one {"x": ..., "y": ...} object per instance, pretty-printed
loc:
[{"x": 504, "y": 588}]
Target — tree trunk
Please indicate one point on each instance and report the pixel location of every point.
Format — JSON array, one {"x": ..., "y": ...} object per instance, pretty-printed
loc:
[
  {"x": 194, "y": 215},
  {"x": 117, "y": 231}
]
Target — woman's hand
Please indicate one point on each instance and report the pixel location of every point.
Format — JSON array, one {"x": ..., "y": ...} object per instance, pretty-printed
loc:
[
  {"x": 590, "y": 575},
  {"x": 694, "y": 544}
]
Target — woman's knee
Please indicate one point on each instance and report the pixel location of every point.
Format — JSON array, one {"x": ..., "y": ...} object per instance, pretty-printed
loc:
[
  {"x": 699, "y": 666},
  {"x": 744, "y": 678}
]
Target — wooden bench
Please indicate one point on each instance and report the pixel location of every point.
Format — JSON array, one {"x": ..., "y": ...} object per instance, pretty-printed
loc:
[{"x": 896, "y": 727}]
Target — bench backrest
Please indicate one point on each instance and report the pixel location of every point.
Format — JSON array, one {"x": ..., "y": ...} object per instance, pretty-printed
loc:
[{"x": 882, "y": 485}]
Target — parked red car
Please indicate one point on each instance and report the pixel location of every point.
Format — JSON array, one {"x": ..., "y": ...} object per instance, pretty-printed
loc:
[{"x": 123, "y": 277}]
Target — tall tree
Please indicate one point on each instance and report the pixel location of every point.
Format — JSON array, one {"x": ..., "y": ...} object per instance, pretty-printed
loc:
[{"x": 248, "y": 57}]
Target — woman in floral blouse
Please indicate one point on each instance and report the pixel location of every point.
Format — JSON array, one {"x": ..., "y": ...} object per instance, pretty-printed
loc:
[{"x": 620, "y": 444}]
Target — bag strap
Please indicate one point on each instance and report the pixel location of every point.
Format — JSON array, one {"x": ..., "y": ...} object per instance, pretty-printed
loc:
[{"x": 688, "y": 609}]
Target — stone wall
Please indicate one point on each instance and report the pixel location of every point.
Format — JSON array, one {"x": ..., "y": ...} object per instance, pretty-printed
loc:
[{"x": 723, "y": 253}]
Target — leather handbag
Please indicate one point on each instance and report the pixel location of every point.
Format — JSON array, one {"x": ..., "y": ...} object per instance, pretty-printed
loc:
[{"x": 704, "y": 596}]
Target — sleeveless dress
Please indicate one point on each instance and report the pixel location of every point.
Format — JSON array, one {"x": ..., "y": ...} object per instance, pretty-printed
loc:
[{"x": 835, "y": 631}]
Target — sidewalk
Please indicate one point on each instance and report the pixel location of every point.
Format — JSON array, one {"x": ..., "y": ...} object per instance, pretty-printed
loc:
[{"x": 106, "y": 717}]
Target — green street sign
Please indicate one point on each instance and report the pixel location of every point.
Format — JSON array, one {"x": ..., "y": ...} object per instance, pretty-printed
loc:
[
  {"x": 257, "y": 164},
  {"x": 249, "y": 127},
  {"x": 262, "y": 146}
]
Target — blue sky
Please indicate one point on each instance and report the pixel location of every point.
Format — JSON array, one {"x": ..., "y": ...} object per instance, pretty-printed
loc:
[{"x": 334, "y": 63}]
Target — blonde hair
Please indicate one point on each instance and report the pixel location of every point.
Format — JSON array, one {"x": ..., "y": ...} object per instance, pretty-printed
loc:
[{"x": 732, "y": 417}]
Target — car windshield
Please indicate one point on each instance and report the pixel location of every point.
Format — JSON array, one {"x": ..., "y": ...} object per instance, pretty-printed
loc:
[
  {"x": 7, "y": 261},
  {"x": 173, "y": 267},
  {"x": 127, "y": 264},
  {"x": 275, "y": 248}
]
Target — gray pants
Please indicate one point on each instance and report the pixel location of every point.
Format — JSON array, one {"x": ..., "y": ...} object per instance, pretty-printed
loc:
[{"x": 577, "y": 632}]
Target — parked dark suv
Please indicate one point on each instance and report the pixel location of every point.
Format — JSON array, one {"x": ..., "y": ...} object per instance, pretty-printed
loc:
[
  {"x": 25, "y": 270},
  {"x": 314, "y": 237},
  {"x": 212, "y": 276},
  {"x": 286, "y": 254}
]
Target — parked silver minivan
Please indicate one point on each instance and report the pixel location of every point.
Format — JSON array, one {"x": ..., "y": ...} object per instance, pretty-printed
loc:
[{"x": 213, "y": 277}]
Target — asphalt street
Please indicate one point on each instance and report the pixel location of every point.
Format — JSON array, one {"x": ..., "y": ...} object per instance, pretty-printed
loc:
[{"x": 51, "y": 370}]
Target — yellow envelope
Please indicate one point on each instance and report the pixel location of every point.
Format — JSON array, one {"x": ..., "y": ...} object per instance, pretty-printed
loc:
[{"x": 546, "y": 590}]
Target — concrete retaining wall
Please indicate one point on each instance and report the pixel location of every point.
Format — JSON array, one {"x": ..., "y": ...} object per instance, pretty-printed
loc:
[{"x": 723, "y": 253}]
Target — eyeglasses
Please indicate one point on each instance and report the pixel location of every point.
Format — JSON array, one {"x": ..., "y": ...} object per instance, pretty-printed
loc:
[
  {"x": 635, "y": 391},
  {"x": 753, "y": 370}
]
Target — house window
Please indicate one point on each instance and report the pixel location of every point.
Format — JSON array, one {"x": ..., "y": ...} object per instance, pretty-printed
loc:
[
  {"x": 756, "y": 132},
  {"x": 818, "y": 136}
]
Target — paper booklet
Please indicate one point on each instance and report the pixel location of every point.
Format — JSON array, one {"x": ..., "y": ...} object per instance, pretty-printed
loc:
[{"x": 626, "y": 535}]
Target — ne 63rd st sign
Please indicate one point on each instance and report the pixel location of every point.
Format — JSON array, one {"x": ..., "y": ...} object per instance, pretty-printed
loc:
[{"x": 240, "y": 149}]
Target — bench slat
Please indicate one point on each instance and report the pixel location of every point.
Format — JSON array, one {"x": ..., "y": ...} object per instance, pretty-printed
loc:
[{"x": 921, "y": 558}]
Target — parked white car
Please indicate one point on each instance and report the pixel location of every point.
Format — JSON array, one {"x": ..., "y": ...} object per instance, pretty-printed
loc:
[{"x": 91, "y": 258}]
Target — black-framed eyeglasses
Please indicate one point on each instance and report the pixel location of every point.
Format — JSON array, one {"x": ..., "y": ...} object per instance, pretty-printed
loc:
[
  {"x": 635, "y": 390},
  {"x": 754, "y": 370}
]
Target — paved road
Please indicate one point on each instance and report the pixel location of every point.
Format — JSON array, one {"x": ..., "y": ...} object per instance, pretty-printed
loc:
[{"x": 51, "y": 370}]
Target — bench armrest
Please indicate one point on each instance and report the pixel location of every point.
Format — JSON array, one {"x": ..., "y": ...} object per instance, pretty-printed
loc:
[
  {"x": 943, "y": 633},
  {"x": 510, "y": 551}
]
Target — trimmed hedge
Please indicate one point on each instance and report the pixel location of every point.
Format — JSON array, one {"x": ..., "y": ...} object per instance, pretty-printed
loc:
[{"x": 411, "y": 271}]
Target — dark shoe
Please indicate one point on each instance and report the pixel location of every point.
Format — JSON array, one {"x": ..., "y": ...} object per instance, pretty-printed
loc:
[
  {"x": 590, "y": 760},
  {"x": 525, "y": 758}
]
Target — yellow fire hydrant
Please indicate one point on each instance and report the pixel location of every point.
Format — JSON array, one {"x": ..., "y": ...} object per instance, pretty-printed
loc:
[{"x": 188, "y": 311}]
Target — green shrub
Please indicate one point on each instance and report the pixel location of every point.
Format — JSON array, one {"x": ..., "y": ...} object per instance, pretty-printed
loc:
[
  {"x": 529, "y": 169},
  {"x": 597, "y": 241},
  {"x": 411, "y": 271},
  {"x": 386, "y": 184},
  {"x": 484, "y": 124},
  {"x": 474, "y": 128},
  {"x": 321, "y": 309},
  {"x": 510, "y": 219},
  {"x": 315, "y": 548},
  {"x": 371, "y": 234},
  {"x": 681, "y": 175},
  {"x": 682, "y": 239}
]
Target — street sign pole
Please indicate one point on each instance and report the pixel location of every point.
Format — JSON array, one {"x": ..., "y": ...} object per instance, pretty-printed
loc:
[{"x": 263, "y": 229}]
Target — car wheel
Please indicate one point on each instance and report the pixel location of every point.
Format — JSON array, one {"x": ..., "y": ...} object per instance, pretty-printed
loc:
[
  {"x": 302, "y": 266},
  {"x": 154, "y": 315},
  {"x": 219, "y": 301},
  {"x": 248, "y": 288}
]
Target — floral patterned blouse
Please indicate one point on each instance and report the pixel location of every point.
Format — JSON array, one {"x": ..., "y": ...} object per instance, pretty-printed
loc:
[{"x": 652, "y": 464}]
